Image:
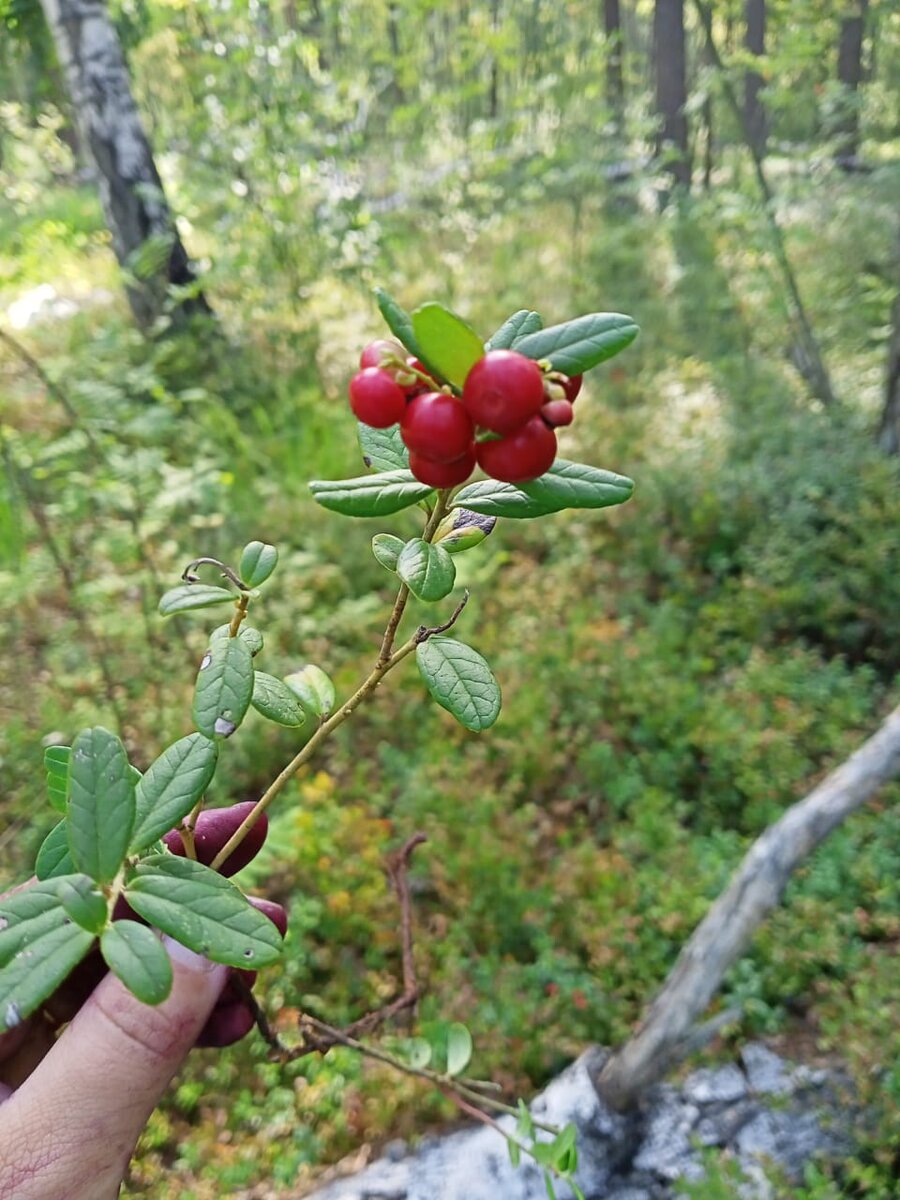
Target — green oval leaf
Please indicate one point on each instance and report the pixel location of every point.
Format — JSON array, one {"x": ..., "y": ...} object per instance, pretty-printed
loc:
[
  {"x": 387, "y": 549},
  {"x": 56, "y": 761},
  {"x": 252, "y": 637},
  {"x": 460, "y": 680},
  {"x": 576, "y": 346},
  {"x": 101, "y": 806},
  {"x": 224, "y": 687},
  {"x": 383, "y": 449},
  {"x": 193, "y": 595},
  {"x": 576, "y": 485},
  {"x": 459, "y": 1048},
  {"x": 398, "y": 321},
  {"x": 447, "y": 343},
  {"x": 54, "y": 858},
  {"x": 83, "y": 903},
  {"x": 494, "y": 499},
  {"x": 26, "y": 914},
  {"x": 171, "y": 787},
  {"x": 370, "y": 495},
  {"x": 418, "y": 1053},
  {"x": 519, "y": 325},
  {"x": 275, "y": 700},
  {"x": 136, "y": 956},
  {"x": 313, "y": 689},
  {"x": 428, "y": 571},
  {"x": 258, "y": 561},
  {"x": 202, "y": 910}
]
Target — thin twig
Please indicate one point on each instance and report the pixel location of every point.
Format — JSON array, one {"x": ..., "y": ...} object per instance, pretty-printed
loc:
[{"x": 398, "y": 870}]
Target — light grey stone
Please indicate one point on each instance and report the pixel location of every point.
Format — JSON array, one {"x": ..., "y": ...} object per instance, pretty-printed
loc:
[
  {"x": 767, "y": 1074},
  {"x": 715, "y": 1085}
]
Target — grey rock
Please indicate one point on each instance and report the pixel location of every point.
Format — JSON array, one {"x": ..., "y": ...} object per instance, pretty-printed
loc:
[
  {"x": 722, "y": 1122},
  {"x": 666, "y": 1148},
  {"x": 715, "y": 1085},
  {"x": 767, "y": 1074}
]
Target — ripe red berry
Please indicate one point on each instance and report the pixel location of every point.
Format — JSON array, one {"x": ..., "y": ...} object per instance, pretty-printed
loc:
[
  {"x": 521, "y": 456},
  {"x": 377, "y": 352},
  {"x": 376, "y": 398},
  {"x": 436, "y": 426},
  {"x": 439, "y": 474},
  {"x": 557, "y": 412},
  {"x": 503, "y": 391},
  {"x": 571, "y": 385}
]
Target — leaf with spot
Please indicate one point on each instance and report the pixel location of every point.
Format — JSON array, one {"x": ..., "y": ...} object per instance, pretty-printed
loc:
[
  {"x": 224, "y": 687},
  {"x": 202, "y": 910},
  {"x": 460, "y": 680},
  {"x": 101, "y": 806},
  {"x": 275, "y": 700},
  {"x": 519, "y": 325},
  {"x": 576, "y": 346},
  {"x": 427, "y": 570},
  {"x": 370, "y": 495},
  {"x": 383, "y": 449},
  {"x": 136, "y": 956},
  {"x": 171, "y": 787},
  {"x": 188, "y": 596}
]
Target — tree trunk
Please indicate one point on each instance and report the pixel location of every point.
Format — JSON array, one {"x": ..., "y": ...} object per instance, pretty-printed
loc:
[
  {"x": 671, "y": 88},
  {"x": 111, "y": 135},
  {"x": 755, "y": 43},
  {"x": 665, "y": 1035},
  {"x": 615, "y": 79},
  {"x": 850, "y": 73},
  {"x": 889, "y": 433}
]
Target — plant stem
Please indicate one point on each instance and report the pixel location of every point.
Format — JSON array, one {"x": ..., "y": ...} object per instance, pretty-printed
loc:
[{"x": 388, "y": 658}]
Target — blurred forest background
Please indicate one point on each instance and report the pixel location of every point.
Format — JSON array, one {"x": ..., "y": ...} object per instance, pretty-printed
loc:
[{"x": 675, "y": 672}]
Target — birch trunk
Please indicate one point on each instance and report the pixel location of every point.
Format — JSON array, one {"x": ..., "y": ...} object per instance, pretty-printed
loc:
[{"x": 114, "y": 141}]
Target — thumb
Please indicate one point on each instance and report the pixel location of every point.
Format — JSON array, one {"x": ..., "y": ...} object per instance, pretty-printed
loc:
[{"x": 71, "y": 1128}]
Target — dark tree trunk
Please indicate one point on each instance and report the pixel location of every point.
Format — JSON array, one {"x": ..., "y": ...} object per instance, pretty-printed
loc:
[
  {"x": 889, "y": 433},
  {"x": 615, "y": 78},
  {"x": 671, "y": 88},
  {"x": 114, "y": 141},
  {"x": 850, "y": 74},
  {"x": 755, "y": 42}
]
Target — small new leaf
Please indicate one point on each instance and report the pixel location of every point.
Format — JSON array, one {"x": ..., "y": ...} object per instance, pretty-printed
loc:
[
  {"x": 193, "y": 595},
  {"x": 275, "y": 700},
  {"x": 258, "y": 561},
  {"x": 460, "y": 680},
  {"x": 171, "y": 787},
  {"x": 519, "y": 325},
  {"x": 427, "y": 570},
  {"x": 418, "y": 1053},
  {"x": 370, "y": 495},
  {"x": 459, "y": 1048},
  {"x": 252, "y": 637},
  {"x": 137, "y": 957},
  {"x": 313, "y": 689},
  {"x": 386, "y": 549},
  {"x": 101, "y": 807},
  {"x": 224, "y": 687}
]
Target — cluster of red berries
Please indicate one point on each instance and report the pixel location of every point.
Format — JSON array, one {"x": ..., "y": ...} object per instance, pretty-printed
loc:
[{"x": 505, "y": 395}]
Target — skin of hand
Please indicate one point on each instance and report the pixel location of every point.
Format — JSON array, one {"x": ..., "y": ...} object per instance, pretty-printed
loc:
[{"x": 69, "y": 1130}]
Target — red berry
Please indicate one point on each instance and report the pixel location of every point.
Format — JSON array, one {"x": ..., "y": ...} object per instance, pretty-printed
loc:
[
  {"x": 571, "y": 385},
  {"x": 524, "y": 455},
  {"x": 378, "y": 352},
  {"x": 214, "y": 828},
  {"x": 558, "y": 412},
  {"x": 376, "y": 399},
  {"x": 442, "y": 475},
  {"x": 436, "y": 426},
  {"x": 503, "y": 391}
]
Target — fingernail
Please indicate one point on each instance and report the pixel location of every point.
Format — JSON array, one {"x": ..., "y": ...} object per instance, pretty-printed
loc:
[{"x": 185, "y": 957}]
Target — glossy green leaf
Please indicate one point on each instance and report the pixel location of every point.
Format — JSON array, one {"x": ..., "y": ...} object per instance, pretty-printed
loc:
[
  {"x": 398, "y": 321},
  {"x": 258, "y": 561},
  {"x": 193, "y": 595},
  {"x": 202, "y": 910},
  {"x": 494, "y": 499},
  {"x": 252, "y": 637},
  {"x": 56, "y": 761},
  {"x": 137, "y": 957},
  {"x": 577, "y": 485},
  {"x": 101, "y": 803},
  {"x": 576, "y": 346},
  {"x": 313, "y": 689},
  {"x": 39, "y": 967},
  {"x": 54, "y": 857},
  {"x": 370, "y": 495},
  {"x": 387, "y": 549},
  {"x": 83, "y": 903},
  {"x": 447, "y": 343},
  {"x": 171, "y": 787},
  {"x": 383, "y": 449},
  {"x": 460, "y": 680},
  {"x": 28, "y": 913},
  {"x": 428, "y": 571},
  {"x": 519, "y": 325},
  {"x": 224, "y": 687},
  {"x": 459, "y": 1048},
  {"x": 275, "y": 700}
]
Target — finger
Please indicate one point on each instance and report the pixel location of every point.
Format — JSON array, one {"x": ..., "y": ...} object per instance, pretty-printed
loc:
[{"x": 72, "y": 1126}]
